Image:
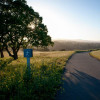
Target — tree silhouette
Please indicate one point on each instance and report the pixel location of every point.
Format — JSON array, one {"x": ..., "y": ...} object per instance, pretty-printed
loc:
[{"x": 19, "y": 21}]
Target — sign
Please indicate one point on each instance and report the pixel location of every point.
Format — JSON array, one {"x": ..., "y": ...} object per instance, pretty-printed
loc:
[{"x": 28, "y": 53}]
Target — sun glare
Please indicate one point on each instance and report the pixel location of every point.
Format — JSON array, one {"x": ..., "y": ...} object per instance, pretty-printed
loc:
[{"x": 64, "y": 25}]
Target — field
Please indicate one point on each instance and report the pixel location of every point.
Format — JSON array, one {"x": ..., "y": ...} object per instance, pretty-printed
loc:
[
  {"x": 95, "y": 54},
  {"x": 41, "y": 83}
]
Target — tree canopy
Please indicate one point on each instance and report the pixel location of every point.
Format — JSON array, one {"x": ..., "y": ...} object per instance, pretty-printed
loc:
[{"x": 17, "y": 22}]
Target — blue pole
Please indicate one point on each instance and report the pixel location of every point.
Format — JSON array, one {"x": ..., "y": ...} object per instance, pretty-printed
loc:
[
  {"x": 28, "y": 63},
  {"x": 28, "y": 67}
]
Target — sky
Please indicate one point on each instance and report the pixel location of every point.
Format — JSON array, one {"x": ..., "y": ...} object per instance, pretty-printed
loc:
[{"x": 70, "y": 19}]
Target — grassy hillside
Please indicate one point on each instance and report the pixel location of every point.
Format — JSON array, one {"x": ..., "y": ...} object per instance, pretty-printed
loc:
[
  {"x": 42, "y": 83},
  {"x": 74, "y": 45},
  {"x": 95, "y": 54}
]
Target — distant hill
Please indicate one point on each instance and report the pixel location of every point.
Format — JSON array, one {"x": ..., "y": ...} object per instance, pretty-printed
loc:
[{"x": 74, "y": 45}]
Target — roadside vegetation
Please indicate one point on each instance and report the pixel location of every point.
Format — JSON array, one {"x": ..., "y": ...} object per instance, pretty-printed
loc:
[
  {"x": 43, "y": 81},
  {"x": 95, "y": 54}
]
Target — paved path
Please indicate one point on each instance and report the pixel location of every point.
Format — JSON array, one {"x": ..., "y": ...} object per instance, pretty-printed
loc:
[{"x": 81, "y": 79}]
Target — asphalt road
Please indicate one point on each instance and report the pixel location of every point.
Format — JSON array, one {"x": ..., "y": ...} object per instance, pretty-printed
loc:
[{"x": 81, "y": 80}]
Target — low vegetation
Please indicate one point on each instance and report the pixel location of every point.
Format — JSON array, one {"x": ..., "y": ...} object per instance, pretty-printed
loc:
[
  {"x": 95, "y": 54},
  {"x": 42, "y": 82}
]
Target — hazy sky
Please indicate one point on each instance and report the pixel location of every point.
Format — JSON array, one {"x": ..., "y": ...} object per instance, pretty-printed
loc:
[{"x": 70, "y": 19}]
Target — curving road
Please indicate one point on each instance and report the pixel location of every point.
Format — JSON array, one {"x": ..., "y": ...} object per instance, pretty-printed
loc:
[{"x": 81, "y": 80}]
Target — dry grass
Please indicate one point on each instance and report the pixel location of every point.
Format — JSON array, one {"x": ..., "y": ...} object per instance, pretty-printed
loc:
[
  {"x": 45, "y": 80},
  {"x": 95, "y": 54},
  {"x": 46, "y": 54}
]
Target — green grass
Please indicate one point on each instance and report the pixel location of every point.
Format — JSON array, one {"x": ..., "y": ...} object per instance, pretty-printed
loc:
[
  {"x": 95, "y": 54},
  {"x": 43, "y": 81}
]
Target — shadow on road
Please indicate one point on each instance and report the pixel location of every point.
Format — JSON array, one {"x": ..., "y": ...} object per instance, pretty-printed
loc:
[{"x": 79, "y": 86}]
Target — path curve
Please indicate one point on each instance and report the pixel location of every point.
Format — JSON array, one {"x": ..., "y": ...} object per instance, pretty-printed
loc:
[{"x": 81, "y": 80}]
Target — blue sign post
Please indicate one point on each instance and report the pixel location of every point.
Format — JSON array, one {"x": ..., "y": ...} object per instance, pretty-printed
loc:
[{"x": 28, "y": 53}]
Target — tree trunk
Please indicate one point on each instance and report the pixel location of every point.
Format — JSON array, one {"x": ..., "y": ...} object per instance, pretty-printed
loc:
[
  {"x": 1, "y": 52},
  {"x": 15, "y": 51},
  {"x": 9, "y": 52},
  {"x": 15, "y": 56}
]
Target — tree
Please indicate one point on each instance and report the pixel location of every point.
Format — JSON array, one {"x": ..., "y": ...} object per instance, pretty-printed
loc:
[
  {"x": 19, "y": 19},
  {"x": 41, "y": 37},
  {"x": 2, "y": 27},
  {"x": 4, "y": 21}
]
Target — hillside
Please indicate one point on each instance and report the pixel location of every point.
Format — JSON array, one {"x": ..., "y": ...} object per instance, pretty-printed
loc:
[{"x": 74, "y": 45}]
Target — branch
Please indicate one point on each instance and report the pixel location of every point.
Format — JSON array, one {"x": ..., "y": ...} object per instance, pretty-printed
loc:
[{"x": 8, "y": 51}]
